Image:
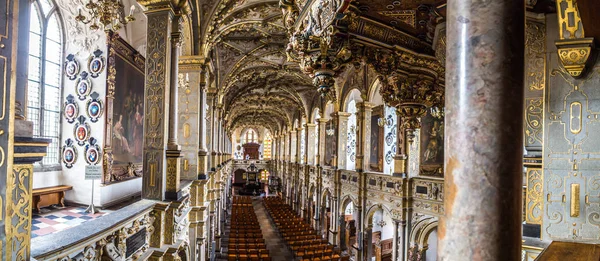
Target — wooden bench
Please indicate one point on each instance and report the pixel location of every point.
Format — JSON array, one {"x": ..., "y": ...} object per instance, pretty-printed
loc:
[{"x": 43, "y": 197}]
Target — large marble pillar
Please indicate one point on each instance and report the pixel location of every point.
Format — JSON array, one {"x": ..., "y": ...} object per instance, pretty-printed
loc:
[
  {"x": 293, "y": 144},
  {"x": 484, "y": 148},
  {"x": 190, "y": 84},
  {"x": 309, "y": 146},
  {"x": 363, "y": 136},
  {"x": 299, "y": 155},
  {"x": 202, "y": 128},
  {"x": 286, "y": 149},
  {"x": 156, "y": 94},
  {"x": 173, "y": 153}
]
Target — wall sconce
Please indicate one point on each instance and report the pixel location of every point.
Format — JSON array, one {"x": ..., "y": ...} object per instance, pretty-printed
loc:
[
  {"x": 437, "y": 112},
  {"x": 381, "y": 223},
  {"x": 353, "y": 129},
  {"x": 381, "y": 122}
]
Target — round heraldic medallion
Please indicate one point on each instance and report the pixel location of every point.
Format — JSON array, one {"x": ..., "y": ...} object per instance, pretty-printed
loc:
[
  {"x": 69, "y": 153},
  {"x": 96, "y": 63},
  {"x": 94, "y": 107},
  {"x": 71, "y": 67},
  {"x": 70, "y": 109},
  {"x": 81, "y": 131},
  {"x": 92, "y": 152}
]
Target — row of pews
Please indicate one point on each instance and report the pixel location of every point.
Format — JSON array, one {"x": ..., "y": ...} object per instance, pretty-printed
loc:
[
  {"x": 304, "y": 242},
  {"x": 246, "y": 242}
]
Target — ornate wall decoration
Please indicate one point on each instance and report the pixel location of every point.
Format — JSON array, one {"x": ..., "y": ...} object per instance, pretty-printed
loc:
[
  {"x": 83, "y": 86},
  {"x": 82, "y": 38},
  {"x": 69, "y": 153},
  {"x": 94, "y": 107},
  {"x": 18, "y": 209},
  {"x": 70, "y": 109},
  {"x": 92, "y": 152},
  {"x": 574, "y": 49},
  {"x": 96, "y": 63},
  {"x": 534, "y": 201},
  {"x": 406, "y": 16},
  {"x": 71, "y": 67},
  {"x": 81, "y": 131},
  {"x": 534, "y": 122},
  {"x": 535, "y": 56},
  {"x": 571, "y": 162}
]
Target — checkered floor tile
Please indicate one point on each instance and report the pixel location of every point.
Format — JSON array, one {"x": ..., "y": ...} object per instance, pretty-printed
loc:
[{"x": 56, "y": 220}]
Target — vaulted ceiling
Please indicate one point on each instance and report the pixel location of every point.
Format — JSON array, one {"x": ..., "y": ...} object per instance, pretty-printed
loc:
[{"x": 246, "y": 42}]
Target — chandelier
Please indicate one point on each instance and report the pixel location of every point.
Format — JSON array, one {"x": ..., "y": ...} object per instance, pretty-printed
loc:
[
  {"x": 330, "y": 131},
  {"x": 105, "y": 13}
]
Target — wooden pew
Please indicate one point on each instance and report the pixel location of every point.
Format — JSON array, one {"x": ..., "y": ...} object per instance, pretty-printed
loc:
[{"x": 48, "y": 196}]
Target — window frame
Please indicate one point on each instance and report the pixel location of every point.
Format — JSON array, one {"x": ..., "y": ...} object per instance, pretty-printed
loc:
[{"x": 45, "y": 22}]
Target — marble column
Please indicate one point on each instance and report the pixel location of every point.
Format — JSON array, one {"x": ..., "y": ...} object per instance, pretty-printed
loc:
[
  {"x": 395, "y": 241},
  {"x": 363, "y": 136},
  {"x": 321, "y": 136},
  {"x": 342, "y": 221},
  {"x": 309, "y": 145},
  {"x": 202, "y": 128},
  {"x": 299, "y": 155},
  {"x": 367, "y": 248},
  {"x": 158, "y": 63},
  {"x": 484, "y": 148},
  {"x": 293, "y": 145}
]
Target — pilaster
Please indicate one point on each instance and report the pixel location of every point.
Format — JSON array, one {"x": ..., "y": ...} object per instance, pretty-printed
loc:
[
  {"x": 363, "y": 137},
  {"x": 156, "y": 95},
  {"x": 309, "y": 147}
]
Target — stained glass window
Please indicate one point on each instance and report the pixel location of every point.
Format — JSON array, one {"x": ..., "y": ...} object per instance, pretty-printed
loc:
[
  {"x": 249, "y": 137},
  {"x": 44, "y": 75},
  {"x": 267, "y": 146}
]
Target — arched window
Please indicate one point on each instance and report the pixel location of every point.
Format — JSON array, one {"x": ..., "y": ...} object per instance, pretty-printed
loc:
[
  {"x": 250, "y": 137},
  {"x": 44, "y": 75},
  {"x": 267, "y": 143}
]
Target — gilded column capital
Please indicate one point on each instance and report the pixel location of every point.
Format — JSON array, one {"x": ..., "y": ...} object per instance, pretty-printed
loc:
[
  {"x": 574, "y": 49},
  {"x": 310, "y": 125},
  {"x": 365, "y": 105},
  {"x": 158, "y": 5},
  {"x": 192, "y": 63}
]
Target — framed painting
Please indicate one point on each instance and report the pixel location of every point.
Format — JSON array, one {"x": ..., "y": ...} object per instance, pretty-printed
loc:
[
  {"x": 377, "y": 133},
  {"x": 124, "y": 130},
  {"x": 432, "y": 146}
]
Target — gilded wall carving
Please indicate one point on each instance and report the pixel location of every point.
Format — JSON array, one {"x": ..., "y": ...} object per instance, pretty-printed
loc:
[
  {"x": 571, "y": 207},
  {"x": 18, "y": 212},
  {"x": 535, "y": 55},
  {"x": 534, "y": 201},
  {"x": 155, "y": 125}
]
